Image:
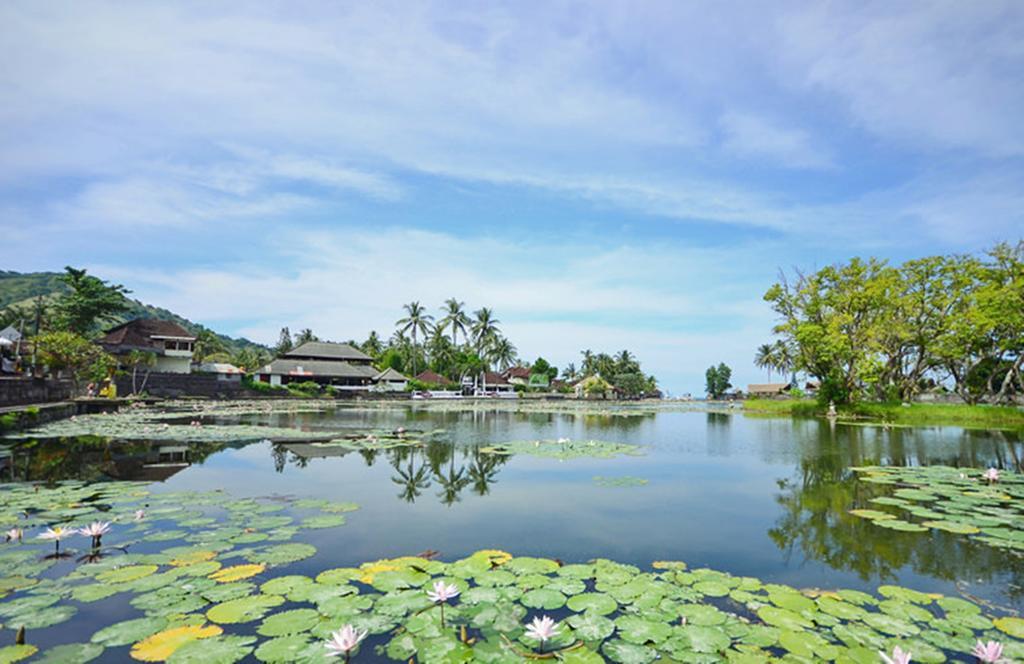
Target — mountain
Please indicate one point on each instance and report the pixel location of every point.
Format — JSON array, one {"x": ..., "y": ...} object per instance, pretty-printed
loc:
[{"x": 19, "y": 290}]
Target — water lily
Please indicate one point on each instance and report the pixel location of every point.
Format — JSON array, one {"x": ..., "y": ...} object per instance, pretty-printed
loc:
[
  {"x": 542, "y": 629},
  {"x": 56, "y": 534},
  {"x": 992, "y": 475},
  {"x": 898, "y": 656},
  {"x": 442, "y": 593},
  {"x": 14, "y": 534},
  {"x": 344, "y": 641},
  {"x": 988, "y": 652},
  {"x": 96, "y": 531},
  {"x": 140, "y": 515}
]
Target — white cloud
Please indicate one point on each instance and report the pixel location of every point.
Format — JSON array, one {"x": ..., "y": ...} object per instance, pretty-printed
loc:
[{"x": 749, "y": 135}]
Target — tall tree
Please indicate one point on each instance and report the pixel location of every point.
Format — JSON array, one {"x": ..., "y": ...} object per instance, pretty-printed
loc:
[
  {"x": 502, "y": 353},
  {"x": 284, "y": 342},
  {"x": 373, "y": 346},
  {"x": 305, "y": 336},
  {"x": 454, "y": 317},
  {"x": 484, "y": 328},
  {"x": 716, "y": 380},
  {"x": 764, "y": 358},
  {"x": 89, "y": 302},
  {"x": 416, "y": 321}
]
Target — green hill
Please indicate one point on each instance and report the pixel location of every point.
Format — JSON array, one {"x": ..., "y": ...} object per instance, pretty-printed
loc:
[{"x": 19, "y": 290}]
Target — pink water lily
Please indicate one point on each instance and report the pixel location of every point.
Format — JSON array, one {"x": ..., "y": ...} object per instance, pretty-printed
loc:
[
  {"x": 898, "y": 656},
  {"x": 992, "y": 475},
  {"x": 344, "y": 641},
  {"x": 988, "y": 652},
  {"x": 140, "y": 515},
  {"x": 14, "y": 534},
  {"x": 442, "y": 592},
  {"x": 542, "y": 629},
  {"x": 96, "y": 531}
]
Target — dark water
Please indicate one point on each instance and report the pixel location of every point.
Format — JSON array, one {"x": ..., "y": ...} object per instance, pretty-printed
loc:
[{"x": 750, "y": 496}]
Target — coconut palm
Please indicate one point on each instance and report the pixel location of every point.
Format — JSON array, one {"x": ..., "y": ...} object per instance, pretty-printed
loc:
[
  {"x": 569, "y": 373},
  {"x": 484, "y": 327},
  {"x": 588, "y": 362},
  {"x": 305, "y": 336},
  {"x": 501, "y": 352},
  {"x": 373, "y": 346},
  {"x": 416, "y": 320},
  {"x": 764, "y": 358},
  {"x": 454, "y": 317}
]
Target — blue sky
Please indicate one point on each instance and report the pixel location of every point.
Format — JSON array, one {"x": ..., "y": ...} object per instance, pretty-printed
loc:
[{"x": 605, "y": 175}]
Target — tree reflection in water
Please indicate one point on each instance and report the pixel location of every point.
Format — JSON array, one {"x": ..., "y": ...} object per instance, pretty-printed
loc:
[{"x": 815, "y": 506}]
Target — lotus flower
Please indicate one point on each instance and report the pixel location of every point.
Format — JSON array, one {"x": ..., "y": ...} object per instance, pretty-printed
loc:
[
  {"x": 56, "y": 534},
  {"x": 988, "y": 652},
  {"x": 442, "y": 592},
  {"x": 542, "y": 629},
  {"x": 898, "y": 656},
  {"x": 992, "y": 475},
  {"x": 96, "y": 531},
  {"x": 344, "y": 641},
  {"x": 14, "y": 534}
]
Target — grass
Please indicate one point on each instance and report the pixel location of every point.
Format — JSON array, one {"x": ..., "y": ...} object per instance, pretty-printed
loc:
[{"x": 895, "y": 413}]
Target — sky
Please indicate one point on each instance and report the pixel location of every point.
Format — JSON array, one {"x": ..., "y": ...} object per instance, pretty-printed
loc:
[{"x": 604, "y": 175}]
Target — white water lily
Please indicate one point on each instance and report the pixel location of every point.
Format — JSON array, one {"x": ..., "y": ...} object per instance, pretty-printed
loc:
[
  {"x": 15, "y": 534},
  {"x": 96, "y": 531},
  {"x": 542, "y": 629},
  {"x": 344, "y": 641},
  {"x": 991, "y": 475},
  {"x": 56, "y": 534},
  {"x": 140, "y": 515}
]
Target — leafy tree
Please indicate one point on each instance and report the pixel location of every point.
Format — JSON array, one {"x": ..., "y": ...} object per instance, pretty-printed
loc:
[
  {"x": 207, "y": 343},
  {"x": 74, "y": 354},
  {"x": 89, "y": 302},
  {"x": 502, "y": 353},
  {"x": 569, "y": 373},
  {"x": 284, "y": 342},
  {"x": 484, "y": 328},
  {"x": 136, "y": 359},
  {"x": 631, "y": 384},
  {"x": 716, "y": 380},
  {"x": 250, "y": 359},
  {"x": 373, "y": 346},
  {"x": 542, "y": 367}
]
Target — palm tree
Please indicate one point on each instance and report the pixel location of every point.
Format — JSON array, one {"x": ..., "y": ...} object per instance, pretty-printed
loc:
[
  {"x": 305, "y": 336},
  {"x": 416, "y": 320},
  {"x": 569, "y": 373},
  {"x": 454, "y": 316},
  {"x": 372, "y": 346},
  {"x": 501, "y": 352},
  {"x": 765, "y": 358},
  {"x": 588, "y": 362},
  {"x": 484, "y": 327}
]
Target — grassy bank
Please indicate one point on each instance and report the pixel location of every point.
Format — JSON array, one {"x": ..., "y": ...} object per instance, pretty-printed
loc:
[{"x": 915, "y": 414}]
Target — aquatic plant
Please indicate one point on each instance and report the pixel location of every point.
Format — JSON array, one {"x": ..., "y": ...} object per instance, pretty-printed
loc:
[
  {"x": 96, "y": 531},
  {"x": 344, "y": 641},
  {"x": 542, "y": 629},
  {"x": 14, "y": 535},
  {"x": 56, "y": 534},
  {"x": 899, "y": 656},
  {"x": 992, "y": 651},
  {"x": 440, "y": 595}
]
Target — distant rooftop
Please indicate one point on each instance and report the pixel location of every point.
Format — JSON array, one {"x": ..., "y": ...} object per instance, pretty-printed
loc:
[{"x": 326, "y": 350}]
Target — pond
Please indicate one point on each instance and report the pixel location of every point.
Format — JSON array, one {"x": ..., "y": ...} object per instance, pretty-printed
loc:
[{"x": 743, "y": 495}]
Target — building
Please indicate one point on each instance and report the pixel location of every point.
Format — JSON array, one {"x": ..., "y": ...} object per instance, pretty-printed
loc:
[
  {"x": 171, "y": 343},
  {"x": 517, "y": 375},
  {"x": 494, "y": 383},
  {"x": 340, "y": 365},
  {"x": 228, "y": 373},
  {"x": 391, "y": 380},
  {"x": 767, "y": 390},
  {"x": 431, "y": 378}
]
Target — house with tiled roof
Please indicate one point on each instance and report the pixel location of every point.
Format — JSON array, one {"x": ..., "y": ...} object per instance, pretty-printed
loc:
[
  {"x": 171, "y": 343},
  {"x": 391, "y": 380},
  {"x": 340, "y": 365},
  {"x": 492, "y": 383},
  {"x": 517, "y": 375}
]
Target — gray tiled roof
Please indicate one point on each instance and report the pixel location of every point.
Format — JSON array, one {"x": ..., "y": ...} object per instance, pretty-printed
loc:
[
  {"x": 291, "y": 367},
  {"x": 390, "y": 374},
  {"x": 326, "y": 350}
]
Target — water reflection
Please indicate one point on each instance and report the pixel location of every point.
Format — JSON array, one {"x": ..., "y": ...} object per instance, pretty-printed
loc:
[
  {"x": 816, "y": 524},
  {"x": 450, "y": 467}
]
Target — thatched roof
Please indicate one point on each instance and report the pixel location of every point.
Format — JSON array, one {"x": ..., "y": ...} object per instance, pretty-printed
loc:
[
  {"x": 390, "y": 375},
  {"x": 327, "y": 350},
  {"x": 284, "y": 366}
]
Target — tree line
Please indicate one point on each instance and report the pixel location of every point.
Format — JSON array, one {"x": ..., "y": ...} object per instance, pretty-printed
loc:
[
  {"x": 866, "y": 329},
  {"x": 458, "y": 343}
]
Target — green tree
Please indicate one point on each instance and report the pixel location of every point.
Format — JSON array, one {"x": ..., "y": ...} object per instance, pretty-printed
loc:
[
  {"x": 373, "y": 346},
  {"x": 454, "y": 317},
  {"x": 716, "y": 380},
  {"x": 305, "y": 336},
  {"x": 416, "y": 321},
  {"x": 207, "y": 343},
  {"x": 484, "y": 329},
  {"x": 136, "y": 359},
  {"x": 74, "y": 354},
  {"x": 89, "y": 302},
  {"x": 284, "y": 342}
]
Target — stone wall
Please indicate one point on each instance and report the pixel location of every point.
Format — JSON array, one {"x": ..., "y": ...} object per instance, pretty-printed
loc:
[
  {"x": 21, "y": 391},
  {"x": 173, "y": 385}
]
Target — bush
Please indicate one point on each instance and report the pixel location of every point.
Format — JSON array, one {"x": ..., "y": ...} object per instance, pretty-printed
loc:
[{"x": 258, "y": 386}]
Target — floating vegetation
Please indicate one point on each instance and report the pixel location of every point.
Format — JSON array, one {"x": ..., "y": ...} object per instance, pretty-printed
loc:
[
  {"x": 564, "y": 449},
  {"x": 214, "y": 594},
  {"x": 147, "y": 424},
  {"x": 987, "y": 505},
  {"x": 624, "y": 481}
]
